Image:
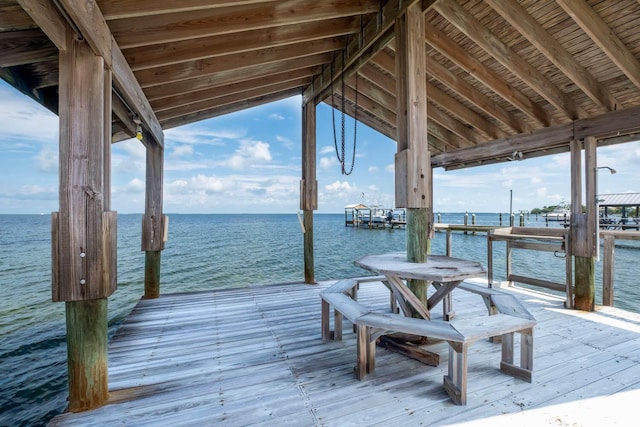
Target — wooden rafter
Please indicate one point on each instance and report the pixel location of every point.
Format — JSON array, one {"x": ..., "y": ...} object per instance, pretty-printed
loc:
[
  {"x": 117, "y": 9},
  {"x": 94, "y": 29},
  {"x": 231, "y": 77},
  {"x": 235, "y": 62},
  {"x": 372, "y": 38},
  {"x": 518, "y": 17},
  {"x": 472, "y": 28},
  {"x": 605, "y": 38},
  {"x": 170, "y": 27},
  {"x": 164, "y": 54},
  {"x": 436, "y": 39}
]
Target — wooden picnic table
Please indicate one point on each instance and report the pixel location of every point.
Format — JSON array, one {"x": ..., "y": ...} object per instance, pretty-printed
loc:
[{"x": 445, "y": 274}]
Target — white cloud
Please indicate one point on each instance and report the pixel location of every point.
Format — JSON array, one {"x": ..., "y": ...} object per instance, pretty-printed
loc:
[
  {"x": 182, "y": 151},
  {"x": 249, "y": 154},
  {"x": 373, "y": 169},
  {"x": 328, "y": 162},
  {"x": 391, "y": 167},
  {"x": 198, "y": 134},
  {"x": 276, "y": 116},
  {"x": 341, "y": 186},
  {"x": 327, "y": 149},
  {"x": 47, "y": 159}
]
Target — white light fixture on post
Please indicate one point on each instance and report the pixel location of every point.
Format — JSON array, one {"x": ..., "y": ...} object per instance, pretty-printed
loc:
[{"x": 597, "y": 201}]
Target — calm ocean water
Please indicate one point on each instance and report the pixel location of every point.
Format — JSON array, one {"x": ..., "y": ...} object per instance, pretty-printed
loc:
[{"x": 205, "y": 252}]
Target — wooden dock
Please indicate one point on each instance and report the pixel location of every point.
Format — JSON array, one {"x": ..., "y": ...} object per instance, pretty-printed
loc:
[{"x": 254, "y": 356}]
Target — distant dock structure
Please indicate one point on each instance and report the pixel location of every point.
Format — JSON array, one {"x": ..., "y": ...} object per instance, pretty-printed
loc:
[{"x": 373, "y": 217}]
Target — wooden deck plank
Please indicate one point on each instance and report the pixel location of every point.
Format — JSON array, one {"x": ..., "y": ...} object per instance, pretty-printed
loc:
[{"x": 254, "y": 356}]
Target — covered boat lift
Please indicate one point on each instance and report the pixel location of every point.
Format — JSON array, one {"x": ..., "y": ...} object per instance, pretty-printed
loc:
[{"x": 455, "y": 83}]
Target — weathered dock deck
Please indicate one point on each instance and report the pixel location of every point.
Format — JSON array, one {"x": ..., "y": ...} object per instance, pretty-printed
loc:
[{"x": 254, "y": 356}]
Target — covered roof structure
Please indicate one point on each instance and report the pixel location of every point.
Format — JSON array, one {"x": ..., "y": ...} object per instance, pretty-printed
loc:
[
  {"x": 457, "y": 83},
  {"x": 623, "y": 199},
  {"x": 505, "y": 79}
]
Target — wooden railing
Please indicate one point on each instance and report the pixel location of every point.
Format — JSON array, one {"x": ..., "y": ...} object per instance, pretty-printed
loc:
[
  {"x": 610, "y": 237},
  {"x": 544, "y": 239},
  {"x": 554, "y": 240}
]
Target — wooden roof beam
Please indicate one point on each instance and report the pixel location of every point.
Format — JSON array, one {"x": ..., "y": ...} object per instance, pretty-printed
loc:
[
  {"x": 518, "y": 17},
  {"x": 232, "y": 98},
  {"x": 604, "y": 37},
  {"x": 25, "y": 47},
  {"x": 234, "y": 62},
  {"x": 207, "y": 47},
  {"x": 436, "y": 95},
  {"x": 385, "y": 128},
  {"x": 439, "y": 41},
  {"x": 229, "y": 89},
  {"x": 468, "y": 92},
  {"x": 475, "y": 97},
  {"x": 371, "y": 39},
  {"x": 228, "y": 109},
  {"x": 464, "y": 135},
  {"x": 89, "y": 21},
  {"x": 602, "y": 126},
  {"x": 171, "y": 27},
  {"x": 118, "y": 9},
  {"x": 232, "y": 77},
  {"x": 472, "y": 28}
]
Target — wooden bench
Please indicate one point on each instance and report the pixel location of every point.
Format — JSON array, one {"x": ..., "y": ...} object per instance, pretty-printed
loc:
[{"x": 459, "y": 333}]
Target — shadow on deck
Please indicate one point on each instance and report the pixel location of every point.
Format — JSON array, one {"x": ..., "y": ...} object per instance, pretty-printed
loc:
[{"x": 254, "y": 356}]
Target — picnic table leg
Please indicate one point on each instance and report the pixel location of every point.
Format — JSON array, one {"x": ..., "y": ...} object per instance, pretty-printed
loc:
[
  {"x": 326, "y": 329},
  {"x": 455, "y": 383},
  {"x": 362, "y": 355},
  {"x": 524, "y": 371}
]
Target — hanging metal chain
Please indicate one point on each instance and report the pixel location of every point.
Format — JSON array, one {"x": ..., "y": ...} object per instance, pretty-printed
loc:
[
  {"x": 355, "y": 134},
  {"x": 341, "y": 153}
]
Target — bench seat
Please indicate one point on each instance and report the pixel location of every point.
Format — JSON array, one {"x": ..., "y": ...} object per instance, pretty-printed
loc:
[{"x": 459, "y": 333}]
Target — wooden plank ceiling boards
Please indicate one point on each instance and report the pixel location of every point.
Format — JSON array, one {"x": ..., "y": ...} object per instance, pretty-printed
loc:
[{"x": 502, "y": 75}]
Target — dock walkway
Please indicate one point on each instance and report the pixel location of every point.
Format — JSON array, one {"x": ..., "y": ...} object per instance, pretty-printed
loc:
[{"x": 254, "y": 356}]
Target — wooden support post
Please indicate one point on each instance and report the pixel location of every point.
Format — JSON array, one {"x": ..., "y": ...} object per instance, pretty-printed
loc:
[
  {"x": 577, "y": 229},
  {"x": 87, "y": 353},
  {"x": 607, "y": 270},
  {"x": 308, "y": 186},
  {"x": 412, "y": 164},
  {"x": 585, "y": 249},
  {"x": 153, "y": 223},
  {"x": 83, "y": 233}
]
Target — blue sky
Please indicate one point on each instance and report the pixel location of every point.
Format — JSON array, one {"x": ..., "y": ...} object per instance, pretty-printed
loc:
[{"x": 250, "y": 162}]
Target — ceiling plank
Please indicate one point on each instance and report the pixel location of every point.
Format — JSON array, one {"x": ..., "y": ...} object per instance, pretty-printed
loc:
[
  {"x": 381, "y": 80},
  {"x": 385, "y": 128},
  {"x": 464, "y": 113},
  {"x": 453, "y": 125},
  {"x": 118, "y": 9},
  {"x": 604, "y": 37},
  {"x": 237, "y": 61},
  {"x": 233, "y": 98},
  {"x": 207, "y": 47},
  {"x": 89, "y": 20},
  {"x": 436, "y": 95},
  {"x": 46, "y": 15},
  {"x": 463, "y": 89},
  {"x": 228, "y": 109},
  {"x": 13, "y": 17},
  {"x": 25, "y": 47},
  {"x": 147, "y": 30},
  {"x": 519, "y": 18},
  {"x": 490, "y": 79},
  {"x": 231, "y": 77},
  {"x": 371, "y": 39},
  {"x": 472, "y": 28},
  {"x": 475, "y": 97},
  {"x": 228, "y": 89}
]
